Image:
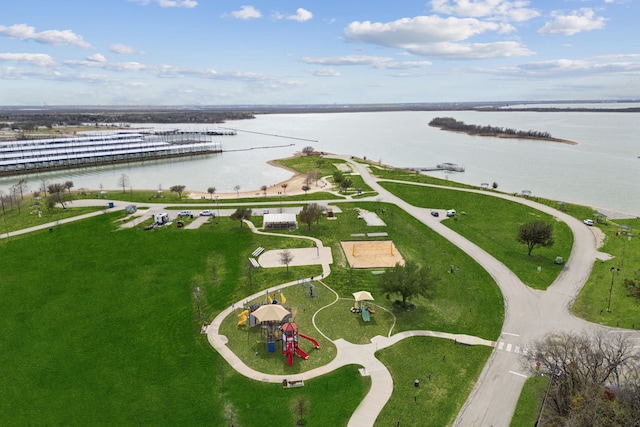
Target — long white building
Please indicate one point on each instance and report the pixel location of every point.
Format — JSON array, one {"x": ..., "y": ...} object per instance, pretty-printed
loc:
[{"x": 59, "y": 153}]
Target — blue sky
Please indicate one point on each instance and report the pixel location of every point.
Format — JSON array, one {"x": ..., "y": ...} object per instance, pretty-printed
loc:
[{"x": 219, "y": 52}]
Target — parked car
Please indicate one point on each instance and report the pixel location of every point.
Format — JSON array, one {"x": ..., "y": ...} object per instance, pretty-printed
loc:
[
  {"x": 589, "y": 222},
  {"x": 184, "y": 213},
  {"x": 207, "y": 213},
  {"x": 435, "y": 213}
]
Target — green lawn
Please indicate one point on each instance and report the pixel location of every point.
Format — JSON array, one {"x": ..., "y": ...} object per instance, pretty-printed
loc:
[
  {"x": 493, "y": 223},
  {"x": 98, "y": 325},
  {"x": 593, "y": 301},
  {"x": 530, "y": 402},
  {"x": 446, "y": 373}
]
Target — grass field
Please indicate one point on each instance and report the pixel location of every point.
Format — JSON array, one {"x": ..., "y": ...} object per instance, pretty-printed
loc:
[
  {"x": 493, "y": 223},
  {"x": 102, "y": 327}
]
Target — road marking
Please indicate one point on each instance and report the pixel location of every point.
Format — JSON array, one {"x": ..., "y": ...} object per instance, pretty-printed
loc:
[
  {"x": 518, "y": 374},
  {"x": 500, "y": 345},
  {"x": 517, "y": 349},
  {"x": 508, "y": 333},
  {"x": 508, "y": 347}
]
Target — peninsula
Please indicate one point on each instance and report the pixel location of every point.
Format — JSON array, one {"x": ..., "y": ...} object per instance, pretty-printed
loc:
[{"x": 451, "y": 124}]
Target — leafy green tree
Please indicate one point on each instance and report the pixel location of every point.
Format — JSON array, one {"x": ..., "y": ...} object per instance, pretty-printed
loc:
[
  {"x": 178, "y": 189},
  {"x": 241, "y": 214},
  {"x": 536, "y": 233},
  {"x": 311, "y": 212},
  {"x": 264, "y": 190},
  {"x": 305, "y": 188},
  {"x": 56, "y": 194},
  {"x": 345, "y": 184},
  {"x": 407, "y": 281},
  {"x": 211, "y": 191}
]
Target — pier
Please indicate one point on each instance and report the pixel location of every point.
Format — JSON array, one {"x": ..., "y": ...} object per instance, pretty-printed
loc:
[{"x": 451, "y": 167}]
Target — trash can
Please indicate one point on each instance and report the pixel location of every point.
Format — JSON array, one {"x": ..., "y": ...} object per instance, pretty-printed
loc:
[
  {"x": 110, "y": 204},
  {"x": 272, "y": 347}
]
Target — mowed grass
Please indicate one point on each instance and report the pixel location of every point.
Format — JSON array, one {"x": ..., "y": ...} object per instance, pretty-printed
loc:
[
  {"x": 102, "y": 327},
  {"x": 493, "y": 223},
  {"x": 530, "y": 402},
  {"x": 446, "y": 373},
  {"x": 593, "y": 301}
]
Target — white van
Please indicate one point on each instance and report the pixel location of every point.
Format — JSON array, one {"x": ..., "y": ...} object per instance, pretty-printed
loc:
[{"x": 451, "y": 213}]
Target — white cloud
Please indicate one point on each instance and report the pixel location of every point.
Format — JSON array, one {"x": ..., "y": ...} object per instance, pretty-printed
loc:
[
  {"x": 579, "y": 20},
  {"x": 379, "y": 62},
  {"x": 436, "y": 36},
  {"x": 324, "y": 72},
  {"x": 302, "y": 15},
  {"x": 123, "y": 49},
  {"x": 569, "y": 69},
  {"x": 247, "y": 12},
  {"x": 96, "y": 58},
  {"x": 169, "y": 3},
  {"x": 504, "y": 10},
  {"x": 38, "y": 59},
  {"x": 52, "y": 37},
  {"x": 96, "y": 62}
]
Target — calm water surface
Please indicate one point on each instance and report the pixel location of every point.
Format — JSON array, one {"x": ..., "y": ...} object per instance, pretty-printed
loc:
[{"x": 601, "y": 171}]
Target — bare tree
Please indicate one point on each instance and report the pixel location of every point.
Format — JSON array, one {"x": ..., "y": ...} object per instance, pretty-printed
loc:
[
  {"x": 23, "y": 186},
  {"x": 593, "y": 377},
  {"x": 237, "y": 190},
  {"x": 264, "y": 190},
  {"x": 286, "y": 257},
  {"x": 305, "y": 188},
  {"x": 123, "y": 181},
  {"x": 308, "y": 150},
  {"x": 284, "y": 187},
  {"x": 311, "y": 212}
]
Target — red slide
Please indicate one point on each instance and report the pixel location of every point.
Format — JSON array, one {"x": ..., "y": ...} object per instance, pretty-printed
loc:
[
  {"x": 301, "y": 353},
  {"x": 289, "y": 353},
  {"x": 315, "y": 343}
]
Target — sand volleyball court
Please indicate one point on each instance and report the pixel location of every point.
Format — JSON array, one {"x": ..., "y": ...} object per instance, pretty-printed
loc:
[{"x": 371, "y": 254}]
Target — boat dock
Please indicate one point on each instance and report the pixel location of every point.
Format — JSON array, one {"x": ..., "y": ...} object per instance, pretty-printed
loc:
[{"x": 451, "y": 167}]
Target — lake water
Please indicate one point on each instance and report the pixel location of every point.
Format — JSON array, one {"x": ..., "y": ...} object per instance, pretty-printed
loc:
[{"x": 601, "y": 171}]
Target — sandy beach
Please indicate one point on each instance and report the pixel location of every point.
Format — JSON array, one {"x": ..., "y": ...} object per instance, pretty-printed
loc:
[{"x": 293, "y": 187}]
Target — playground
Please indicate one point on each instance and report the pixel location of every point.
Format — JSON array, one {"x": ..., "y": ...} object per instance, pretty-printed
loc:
[
  {"x": 335, "y": 319},
  {"x": 371, "y": 254}
]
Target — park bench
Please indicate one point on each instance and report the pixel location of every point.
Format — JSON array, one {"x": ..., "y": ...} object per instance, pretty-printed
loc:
[
  {"x": 257, "y": 252},
  {"x": 254, "y": 262}
]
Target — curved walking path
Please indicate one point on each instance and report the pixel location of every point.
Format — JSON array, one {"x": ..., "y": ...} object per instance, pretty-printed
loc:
[
  {"x": 529, "y": 314},
  {"x": 346, "y": 352}
]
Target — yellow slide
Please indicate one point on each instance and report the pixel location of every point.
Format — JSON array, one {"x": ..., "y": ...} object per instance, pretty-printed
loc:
[{"x": 243, "y": 318}]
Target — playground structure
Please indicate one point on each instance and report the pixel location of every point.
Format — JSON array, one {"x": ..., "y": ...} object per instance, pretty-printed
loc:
[
  {"x": 308, "y": 287},
  {"x": 360, "y": 306},
  {"x": 290, "y": 337},
  {"x": 274, "y": 320}
]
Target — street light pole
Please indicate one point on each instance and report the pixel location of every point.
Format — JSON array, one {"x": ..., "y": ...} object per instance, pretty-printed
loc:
[
  {"x": 217, "y": 207},
  {"x": 612, "y": 270}
]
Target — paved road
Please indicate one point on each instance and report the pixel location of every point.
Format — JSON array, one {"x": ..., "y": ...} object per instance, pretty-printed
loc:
[{"x": 529, "y": 314}]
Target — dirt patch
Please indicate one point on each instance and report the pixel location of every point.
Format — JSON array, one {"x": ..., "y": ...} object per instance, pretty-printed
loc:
[{"x": 371, "y": 254}]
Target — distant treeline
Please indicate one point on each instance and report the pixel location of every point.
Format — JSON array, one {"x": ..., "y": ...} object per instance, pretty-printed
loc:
[
  {"x": 449, "y": 123},
  {"x": 33, "y": 119}
]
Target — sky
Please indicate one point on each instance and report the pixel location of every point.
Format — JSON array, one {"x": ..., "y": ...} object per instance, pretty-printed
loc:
[{"x": 222, "y": 52}]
